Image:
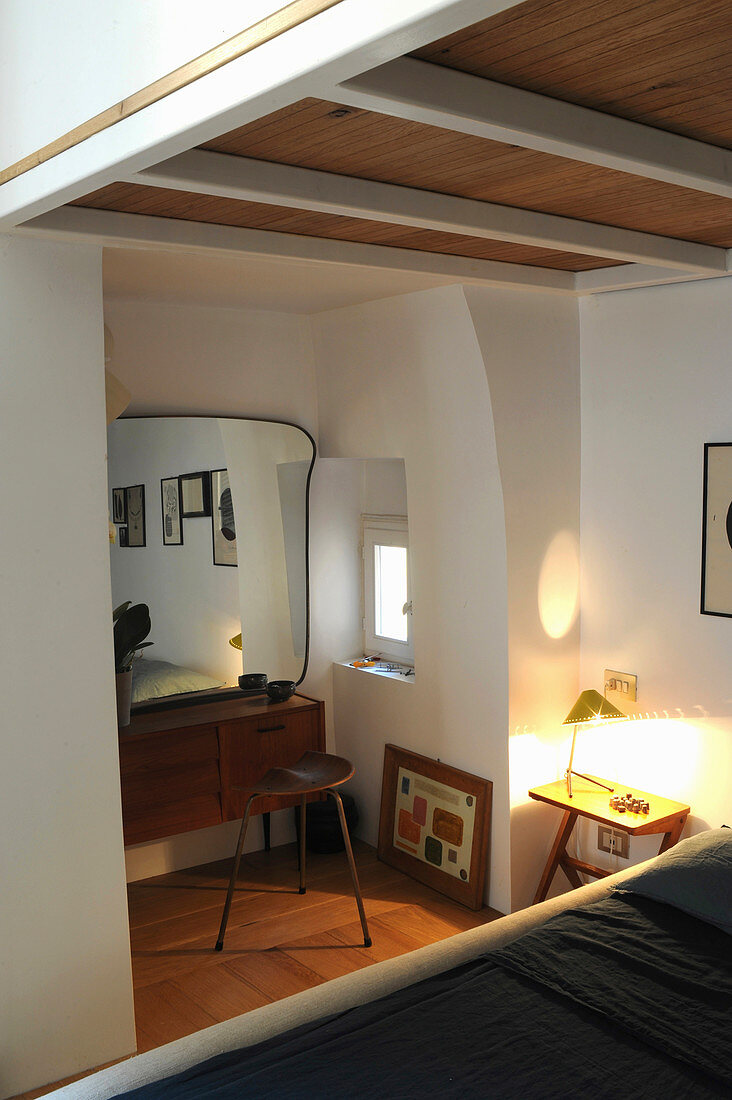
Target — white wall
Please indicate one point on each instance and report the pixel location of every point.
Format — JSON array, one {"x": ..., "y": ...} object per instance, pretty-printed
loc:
[
  {"x": 178, "y": 359},
  {"x": 656, "y": 385},
  {"x": 530, "y": 347},
  {"x": 335, "y": 577},
  {"x": 384, "y": 490},
  {"x": 105, "y": 50},
  {"x": 65, "y": 985},
  {"x": 255, "y": 460},
  {"x": 405, "y": 378}
]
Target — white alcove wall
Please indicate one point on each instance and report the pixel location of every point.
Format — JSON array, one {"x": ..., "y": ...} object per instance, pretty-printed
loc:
[
  {"x": 530, "y": 348},
  {"x": 404, "y": 377}
]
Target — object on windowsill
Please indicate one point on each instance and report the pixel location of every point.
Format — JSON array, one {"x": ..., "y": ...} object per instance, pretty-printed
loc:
[{"x": 381, "y": 666}]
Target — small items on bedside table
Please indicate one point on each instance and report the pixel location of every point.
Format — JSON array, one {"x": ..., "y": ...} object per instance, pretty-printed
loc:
[{"x": 637, "y": 813}]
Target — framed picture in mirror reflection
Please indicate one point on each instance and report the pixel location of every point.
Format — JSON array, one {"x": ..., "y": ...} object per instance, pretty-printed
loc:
[
  {"x": 195, "y": 494},
  {"x": 119, "y": 506},
  {"x": 223, "y": 524},
  {"x": 170, "y": 510},
  {"x": 135, "y": 495}
]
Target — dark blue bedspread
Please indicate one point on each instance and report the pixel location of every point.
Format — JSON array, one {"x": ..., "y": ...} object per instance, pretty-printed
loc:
[{"x": 625, "y": 997}]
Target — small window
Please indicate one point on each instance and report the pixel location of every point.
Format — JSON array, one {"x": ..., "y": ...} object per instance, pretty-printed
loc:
[{"x": 387, "y": 619}]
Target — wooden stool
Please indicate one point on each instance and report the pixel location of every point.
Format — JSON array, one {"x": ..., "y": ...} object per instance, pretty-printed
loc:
[{"x": 314, "y": 771}]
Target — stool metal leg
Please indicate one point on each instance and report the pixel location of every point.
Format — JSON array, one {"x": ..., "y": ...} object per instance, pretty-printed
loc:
[
  {"x": 303, "y": 828},
  {"x": 352, "y": 864},
  {"x": 234, "y": 874}
]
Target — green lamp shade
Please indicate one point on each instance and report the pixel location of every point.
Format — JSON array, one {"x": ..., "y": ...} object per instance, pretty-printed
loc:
[
  {"x": 592, "y": 707},
  {"x": 236, "y": 642}
]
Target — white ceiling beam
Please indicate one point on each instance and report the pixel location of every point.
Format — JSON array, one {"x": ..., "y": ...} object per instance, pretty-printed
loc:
[
  {"x": 437, "y": 96},
  {"x": 116, "y": 230},
  {"x": 349, "y": 38},
  {"x": 244, "y": 179},
  {"x": 630, "y": 277}
]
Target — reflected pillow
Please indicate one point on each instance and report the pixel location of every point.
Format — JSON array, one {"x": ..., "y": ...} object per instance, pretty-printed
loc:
[
  {"x": 695, "y": 876},
  {"x": 154, "y": 679}
]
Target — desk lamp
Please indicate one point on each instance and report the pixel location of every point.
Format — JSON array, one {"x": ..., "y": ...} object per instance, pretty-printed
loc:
[{"x": 590, "y": 707}]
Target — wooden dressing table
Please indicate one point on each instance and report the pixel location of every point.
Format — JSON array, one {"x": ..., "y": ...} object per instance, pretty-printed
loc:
[{"x": 179, "y": 766}]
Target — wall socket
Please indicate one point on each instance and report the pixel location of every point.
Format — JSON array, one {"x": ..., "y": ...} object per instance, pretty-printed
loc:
[{"x": 614, "y": 841}]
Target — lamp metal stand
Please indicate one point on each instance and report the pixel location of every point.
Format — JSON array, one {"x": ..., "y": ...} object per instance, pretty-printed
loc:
[{"x": 581, "y": 775}]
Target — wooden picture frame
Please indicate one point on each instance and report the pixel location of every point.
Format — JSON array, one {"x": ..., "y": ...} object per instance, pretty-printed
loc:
[
  {"x": 123, "y": 536},
  {"x": 223, "y": 524},
  {"x": 195, "y": 495},
  {"x": 170, "y": 511},
  {"x": 435, "y": 824},
  {"x": 135, "y": 500},
  {"x": 119, "y": 506},
  {"x": 716, "y": 568}
]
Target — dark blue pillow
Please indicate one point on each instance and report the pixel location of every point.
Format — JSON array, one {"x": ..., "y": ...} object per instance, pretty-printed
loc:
[{"x": 695, "y": 876}]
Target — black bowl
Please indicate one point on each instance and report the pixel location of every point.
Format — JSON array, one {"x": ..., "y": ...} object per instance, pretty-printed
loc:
[
  {"x": 280, "y": 691},
  {"x": 253, "y": 681}
]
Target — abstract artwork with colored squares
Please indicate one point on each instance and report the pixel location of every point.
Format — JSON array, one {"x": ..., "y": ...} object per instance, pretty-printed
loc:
[{"x": 435, "y": 824}]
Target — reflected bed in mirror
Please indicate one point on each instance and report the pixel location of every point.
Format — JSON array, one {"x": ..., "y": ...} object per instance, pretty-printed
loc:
[{"x": 221, "y": 548}]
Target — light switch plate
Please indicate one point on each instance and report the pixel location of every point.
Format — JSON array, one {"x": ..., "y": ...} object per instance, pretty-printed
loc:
[{"x": 621, "y": 689}]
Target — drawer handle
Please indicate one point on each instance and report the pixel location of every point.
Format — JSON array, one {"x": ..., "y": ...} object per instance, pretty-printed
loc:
[{"x": 270, "y": 729}]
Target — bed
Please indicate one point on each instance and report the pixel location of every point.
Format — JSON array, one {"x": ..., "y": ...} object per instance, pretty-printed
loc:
[{"x": 623, "y": 987}]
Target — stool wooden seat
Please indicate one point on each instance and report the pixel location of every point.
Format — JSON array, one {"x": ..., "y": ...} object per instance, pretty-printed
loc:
[{"x": 313, "y": 772}]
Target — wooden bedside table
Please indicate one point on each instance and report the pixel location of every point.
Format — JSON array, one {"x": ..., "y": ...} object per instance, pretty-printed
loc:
[{"x": 665, "y": 817}]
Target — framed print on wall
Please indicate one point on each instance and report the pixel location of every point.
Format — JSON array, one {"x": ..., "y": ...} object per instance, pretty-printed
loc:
[
  {"x": 135, "y": 515},
  {"x": 170, "y": 508},
  {"x": 195, "y": 494},
  {"x": 123, "y": 537},
  {"x": 223, "y": 525},
  {"x": 435, "y": 824},
  {"x": 716, "y": 577},
  {"x": 119, "y": 506}
]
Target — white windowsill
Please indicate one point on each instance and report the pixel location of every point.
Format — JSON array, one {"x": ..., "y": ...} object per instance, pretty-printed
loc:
[{"x": 395, "y": 671}]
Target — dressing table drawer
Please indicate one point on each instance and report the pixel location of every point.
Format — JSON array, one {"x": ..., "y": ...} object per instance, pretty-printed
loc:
[
  {"x": 142, "y": 755},
  {"x": 248, "y": 748},
  {"x": 152, "y": 821},
  {"x": 170, "y": 783}
]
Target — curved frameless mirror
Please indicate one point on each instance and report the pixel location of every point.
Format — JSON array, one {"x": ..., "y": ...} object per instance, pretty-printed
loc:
[{"x": 211, "y": 516}]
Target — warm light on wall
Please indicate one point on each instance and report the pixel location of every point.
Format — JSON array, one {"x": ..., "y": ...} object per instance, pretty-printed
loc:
[
  {"x": 533, "y": 758},
  {"x": 654, "y": 754},
  {"x": 558, "y": 594}
]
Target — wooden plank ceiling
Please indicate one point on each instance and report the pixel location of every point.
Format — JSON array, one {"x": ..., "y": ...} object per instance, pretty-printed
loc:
[
  {"x": 665, "y": 63},
  {"x": 661, "y": 62}
]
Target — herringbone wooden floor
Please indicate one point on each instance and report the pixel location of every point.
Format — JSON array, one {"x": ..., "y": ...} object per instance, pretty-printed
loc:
[{"x": 278, "y": 941}]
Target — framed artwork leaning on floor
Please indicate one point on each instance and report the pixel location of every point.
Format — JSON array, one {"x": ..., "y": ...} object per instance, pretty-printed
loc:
[{"x": 435, "y": 824}]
